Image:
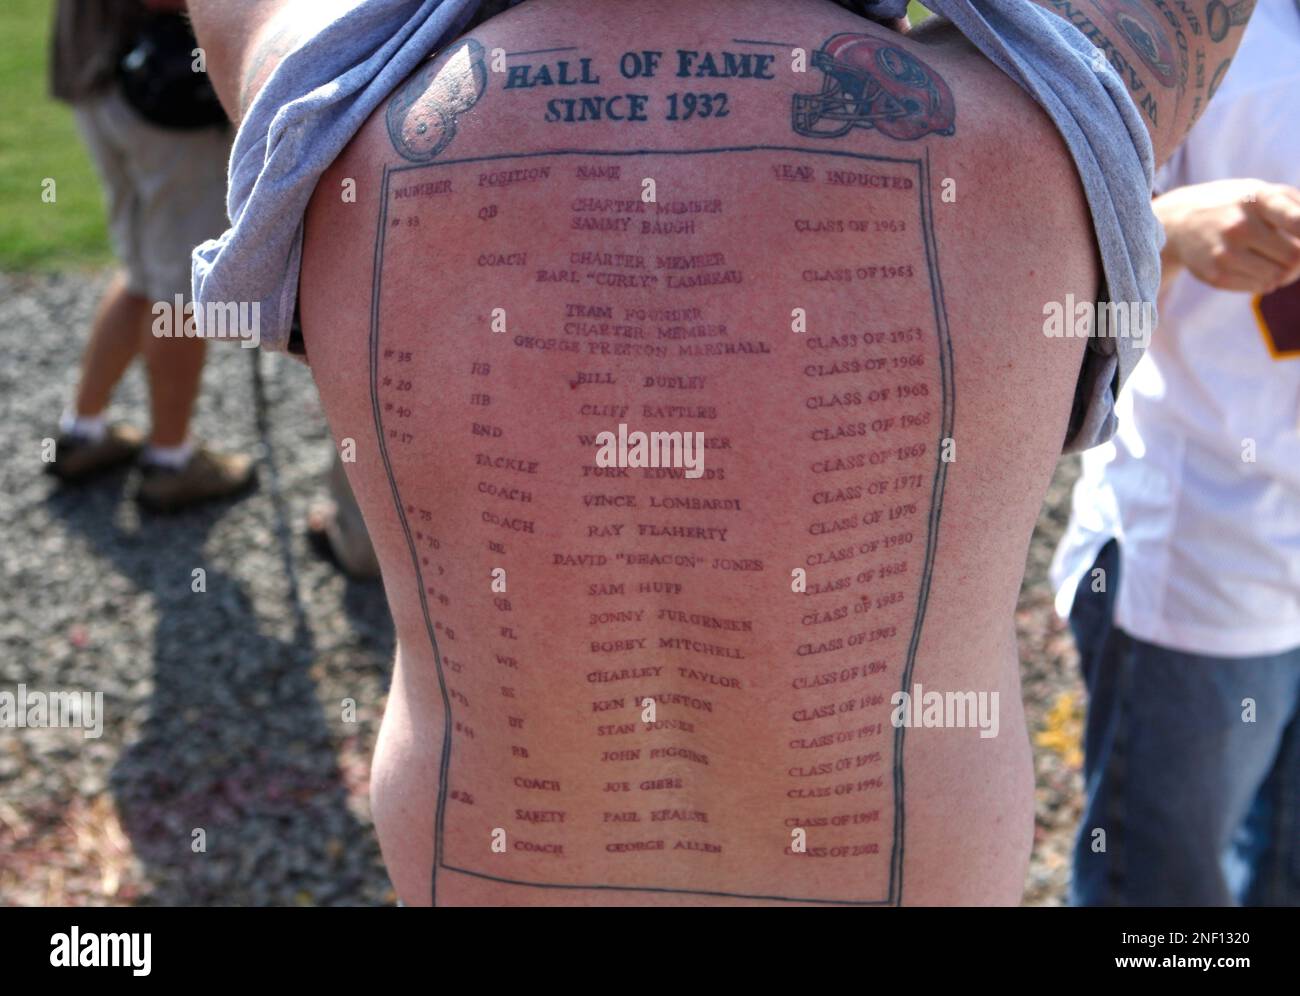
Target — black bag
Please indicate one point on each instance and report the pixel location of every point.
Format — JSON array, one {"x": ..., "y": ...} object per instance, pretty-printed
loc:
[{"x": 158, "y": 79}]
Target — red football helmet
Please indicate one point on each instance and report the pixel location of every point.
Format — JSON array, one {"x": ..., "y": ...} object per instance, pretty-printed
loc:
[{"x": 872, "y": 83}]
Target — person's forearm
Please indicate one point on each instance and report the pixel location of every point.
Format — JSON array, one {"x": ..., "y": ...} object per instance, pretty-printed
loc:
[
  {"x": 246, "y": 39},
  {"x": 226, "y": 29}
]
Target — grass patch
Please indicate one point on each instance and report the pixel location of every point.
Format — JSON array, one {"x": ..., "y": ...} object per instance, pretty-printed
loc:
[{"x": 39, "y": 139}]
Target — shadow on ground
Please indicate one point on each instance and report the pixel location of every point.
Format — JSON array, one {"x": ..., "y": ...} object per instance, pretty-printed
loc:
[{"x": 227, "y": 762}]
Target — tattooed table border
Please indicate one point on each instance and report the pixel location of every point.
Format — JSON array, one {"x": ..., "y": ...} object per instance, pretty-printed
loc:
[{"x": 924, "y": 205}]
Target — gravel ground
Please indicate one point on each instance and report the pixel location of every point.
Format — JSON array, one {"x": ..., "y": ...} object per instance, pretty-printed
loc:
[{"x": 229, "y": 770}]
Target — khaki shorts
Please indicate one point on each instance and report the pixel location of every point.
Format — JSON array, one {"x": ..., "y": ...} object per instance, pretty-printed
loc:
[{"x": 166, "y": 191}]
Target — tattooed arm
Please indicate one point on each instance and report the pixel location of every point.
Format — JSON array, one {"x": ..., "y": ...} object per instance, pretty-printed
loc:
[
  {"x": 1171, "y": 54},
  {"x": 244, "y": 40}
]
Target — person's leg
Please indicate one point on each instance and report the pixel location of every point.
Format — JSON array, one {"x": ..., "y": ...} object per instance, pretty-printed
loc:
[
  {"x": 1268, "y": 845},
  {"x": 337, "y": 530},
  {"x": 120, "y": 325},
  {"x": 175, "y": 369},
  {"x": 175, "y": 471},
  {"x": 1196, "y": 765},
  {"x": 87, "y": 445},
  {"x": 1172, "y": 768},
  {"x": 177, "y": 180},
  {"x": 1097, "y": 872}
]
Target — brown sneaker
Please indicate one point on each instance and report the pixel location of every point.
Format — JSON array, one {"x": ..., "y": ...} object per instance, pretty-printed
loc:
[
  {"x": 206, "y": 476},
  {"x": 77, "y": 459}
]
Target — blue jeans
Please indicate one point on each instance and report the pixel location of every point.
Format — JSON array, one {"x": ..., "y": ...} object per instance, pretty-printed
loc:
[{"x": 1199, "y": 807}]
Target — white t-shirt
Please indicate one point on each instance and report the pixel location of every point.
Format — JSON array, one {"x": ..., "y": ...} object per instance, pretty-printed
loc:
[{"x": 1201, "y": 485}]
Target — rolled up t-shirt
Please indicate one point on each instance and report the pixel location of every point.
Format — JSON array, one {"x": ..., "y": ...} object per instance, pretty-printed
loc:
[{"x": 325, "y": 89}]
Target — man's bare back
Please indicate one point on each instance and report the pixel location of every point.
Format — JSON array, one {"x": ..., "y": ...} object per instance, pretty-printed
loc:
[
  {"x": 672, "y": 684},
  {"x": 666, "y": 678}
]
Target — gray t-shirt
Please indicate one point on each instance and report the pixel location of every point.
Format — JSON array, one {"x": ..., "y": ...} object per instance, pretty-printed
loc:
[{"x": 324, "y": 90}]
